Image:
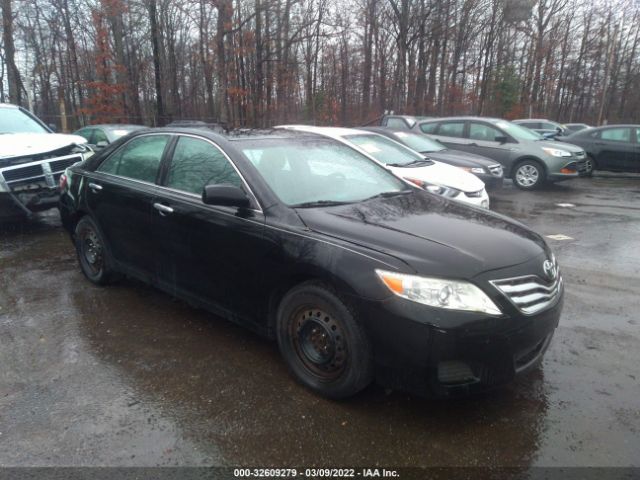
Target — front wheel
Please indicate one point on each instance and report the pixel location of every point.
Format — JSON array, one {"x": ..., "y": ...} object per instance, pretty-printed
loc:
[
  {"x": 90, "y": 247},
  {"x": 528, "y": 175},
  {"x": 322, "y": 343},
  {"x": 590, "y": 166}
]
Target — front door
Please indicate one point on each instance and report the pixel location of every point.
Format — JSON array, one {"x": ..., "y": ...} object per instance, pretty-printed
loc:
[
  {"x": 616, "y": 150},
  {"x": 208, "y": 253}
]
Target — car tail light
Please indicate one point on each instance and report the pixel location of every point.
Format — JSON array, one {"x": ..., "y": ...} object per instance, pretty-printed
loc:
[{"x": 62, "y": 182}]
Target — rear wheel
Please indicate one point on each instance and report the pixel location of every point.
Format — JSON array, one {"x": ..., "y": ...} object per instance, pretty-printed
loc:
[
  {"x": 91, "y": 251},
  {"x": 528, "y": 175},
  {"x": 322, "y": 343}
]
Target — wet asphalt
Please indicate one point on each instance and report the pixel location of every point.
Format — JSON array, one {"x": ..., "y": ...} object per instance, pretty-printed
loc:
[{"x": 125, "y": 375}]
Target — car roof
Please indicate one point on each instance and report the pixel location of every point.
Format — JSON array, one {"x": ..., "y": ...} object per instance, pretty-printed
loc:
[
  {"x": 333, "y": 132},
  {"x": 8, "y": 105},
  {"x": 534, "y": 120},
  {"x": 463, "y": 118}
]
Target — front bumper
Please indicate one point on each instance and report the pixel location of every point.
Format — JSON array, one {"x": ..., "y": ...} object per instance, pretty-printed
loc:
[
  {"x": 571, "y": 167},
  {"x": 491, "y": 182},
  {"x": 478, "y": 199},
  {"x": 442, "y": 353}
]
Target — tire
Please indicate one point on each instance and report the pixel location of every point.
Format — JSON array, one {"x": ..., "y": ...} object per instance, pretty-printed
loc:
[
  {"x": 528, "y": 175},
  {"x": 591, "y": 166},
  {"x": 322, "y": 343},
  {"x": 91, "y": 250}
]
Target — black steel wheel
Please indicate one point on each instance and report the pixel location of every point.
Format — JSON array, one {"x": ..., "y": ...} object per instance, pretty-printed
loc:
[
  {"x": 590, "y": 164},
  {"x": 92, "y": 252},
  {"x": 322, "y": 342}
]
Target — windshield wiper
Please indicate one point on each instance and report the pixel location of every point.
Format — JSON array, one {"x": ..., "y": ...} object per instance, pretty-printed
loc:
[
  {"x": 389, "y": 194},
  {"x": 319, "y": 203},
  {"x": 415, "y": 163}
]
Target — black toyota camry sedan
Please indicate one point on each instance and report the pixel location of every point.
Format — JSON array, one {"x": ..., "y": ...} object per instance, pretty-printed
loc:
[{"x": 357, "y": 274}]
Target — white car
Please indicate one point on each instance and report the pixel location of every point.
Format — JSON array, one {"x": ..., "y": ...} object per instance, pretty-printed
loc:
[
  {"x": 407, "y": 164},
  {"x": 32, "y": 159}
]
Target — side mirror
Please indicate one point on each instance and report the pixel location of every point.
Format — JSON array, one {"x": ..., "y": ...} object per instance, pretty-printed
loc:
[
  {"x": 501, "y": 138},
  {"x": 225, "y": 195},
  {"x": 102, "y": 144},
  {"x": 53, "y": 127}
]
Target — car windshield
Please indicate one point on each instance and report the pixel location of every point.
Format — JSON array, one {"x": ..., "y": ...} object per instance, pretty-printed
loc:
[
  {"x": 419, "y": 143},
  {"x": 518, "y": 132},
  {"x": 317, "y": 172},
  {"x": 13, "y": 120},
  {"x": 385, "y": 150}
]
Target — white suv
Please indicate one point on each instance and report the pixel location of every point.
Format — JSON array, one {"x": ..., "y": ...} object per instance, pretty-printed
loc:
[{"x": 32, "y": 158}]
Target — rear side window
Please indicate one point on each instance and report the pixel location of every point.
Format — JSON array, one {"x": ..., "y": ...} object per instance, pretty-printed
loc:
[
  {"x": 616, "y": 134},
  {"x": 396, "y": 123},
  {"x": 428, "y": 127},
  {"x": 532, "y": 125},
  {"x": 85, "y": 133},
  {"x": 451, "y": 129},
  {"x": 197, "y": 163},
  {"x": 139, "y": 159},
  {"x": 480, "y": 131},
  {"x": 99, "y": 136}
]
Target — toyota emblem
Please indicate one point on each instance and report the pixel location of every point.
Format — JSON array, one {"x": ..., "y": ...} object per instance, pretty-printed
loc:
[{"x": 550, "y": 269}]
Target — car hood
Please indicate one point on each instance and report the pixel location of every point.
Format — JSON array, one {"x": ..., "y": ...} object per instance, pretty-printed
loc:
[
  {"x": 24, "y": 144},
  {"x": 564, "y": 146},
  {"x": 433, "y": 235},
  {"x": 462, "y": 159},
  {"x": 442, "y": 174}
]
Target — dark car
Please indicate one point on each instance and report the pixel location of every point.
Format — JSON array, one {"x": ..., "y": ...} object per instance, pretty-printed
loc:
[
  {"x": 546, "y": 128},
  {"x": 614, "y": 147},
  {"x": 487, "y": 170},
  {"x": 525, "y": 155},
  {"x": 100, "y": 136},
  {"x": 302, "y": 238}
]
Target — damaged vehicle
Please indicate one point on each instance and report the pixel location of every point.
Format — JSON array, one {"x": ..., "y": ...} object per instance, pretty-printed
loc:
[{"x": 32, "y": 158}]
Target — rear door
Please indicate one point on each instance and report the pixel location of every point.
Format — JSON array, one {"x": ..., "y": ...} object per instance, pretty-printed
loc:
[
  {"x": 616, "y": 150},
  {"x": 208, "y": 253},
  {"x": 451, "y": 133},
  {"x": 120, "y": 194}
]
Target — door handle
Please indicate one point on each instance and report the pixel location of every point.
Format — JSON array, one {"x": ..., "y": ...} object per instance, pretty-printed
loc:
[
  {"x": 95, "y": 188},
  {"x": 163, "y": 209}
]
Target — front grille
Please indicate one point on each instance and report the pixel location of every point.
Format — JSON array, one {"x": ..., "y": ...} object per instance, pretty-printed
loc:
[
  {"x": 37, "y": 171},
  {"x": 24, "y": 173},
  {"x": 495, "y": 170},
  {"x": 477, "y": 194},
  {"x": 62, "y": 164},
  {"x": 530, "y": 294}
]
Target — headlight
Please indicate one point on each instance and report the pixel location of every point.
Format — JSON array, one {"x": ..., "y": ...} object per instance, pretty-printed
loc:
[
  {"x": 474, "y": 169},
  {"x": 448, "y": 192},
  {"x": 554, "y": 152},
  {"x": 439, "y": 293}
]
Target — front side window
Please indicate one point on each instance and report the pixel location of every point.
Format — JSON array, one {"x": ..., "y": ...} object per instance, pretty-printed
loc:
[
  {"x": 517, "y": 131},
  {"x": 139, "y": 159},
  {"x": 480, "y": 131},
  {"x": 318, "y": 170},
  {"x": 451, "y": 129},
  {"x": 384, "y": 149},
  {"x": 197, "y": 163},
  {"x": 616, "y": 135}
]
